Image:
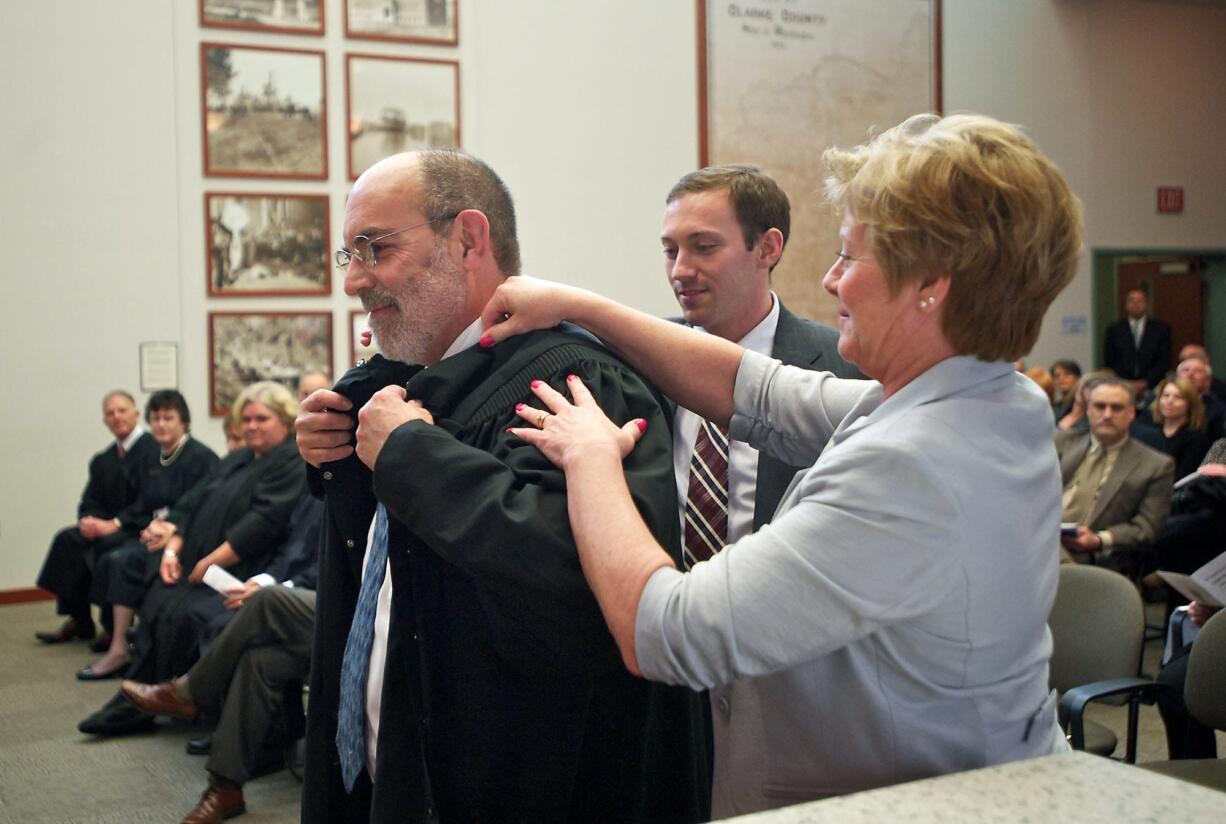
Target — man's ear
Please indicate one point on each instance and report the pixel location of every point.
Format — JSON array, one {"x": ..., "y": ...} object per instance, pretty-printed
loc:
[
  {"x": 473, "y": 237},
  {"x": 770, "y": 247}
]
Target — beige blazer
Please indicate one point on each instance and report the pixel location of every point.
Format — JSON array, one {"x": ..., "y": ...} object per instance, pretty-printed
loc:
[{"x": 1136, "y": 497}]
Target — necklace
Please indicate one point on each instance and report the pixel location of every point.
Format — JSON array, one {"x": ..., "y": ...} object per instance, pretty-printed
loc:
[{"x": 167, "y": 460}]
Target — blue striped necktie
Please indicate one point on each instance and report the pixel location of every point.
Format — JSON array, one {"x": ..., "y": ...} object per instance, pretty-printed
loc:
[{"x": 351, "y": 718}]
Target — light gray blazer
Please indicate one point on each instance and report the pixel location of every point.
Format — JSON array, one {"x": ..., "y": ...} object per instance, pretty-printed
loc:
[{"x": 891, "y": 622}]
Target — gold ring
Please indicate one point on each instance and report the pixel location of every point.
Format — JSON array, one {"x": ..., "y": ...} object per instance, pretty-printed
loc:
[{"x": 540, "y": 420}]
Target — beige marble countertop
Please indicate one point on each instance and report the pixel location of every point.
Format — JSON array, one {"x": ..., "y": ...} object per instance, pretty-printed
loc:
[{"x": 1066, "y": 788}]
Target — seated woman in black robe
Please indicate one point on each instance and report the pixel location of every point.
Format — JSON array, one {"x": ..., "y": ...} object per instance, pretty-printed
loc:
[
  {"x": 122, "y": 575},
  {"x": 234, "y": 520},
  {"x": 1175, "y": 425}
]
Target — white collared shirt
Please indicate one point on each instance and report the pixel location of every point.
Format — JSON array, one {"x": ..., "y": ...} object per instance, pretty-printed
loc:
[
  {"x": 742, "y": 458},
  {"x": 127, "y": 443},
  {"x": 383, "y": 606}
]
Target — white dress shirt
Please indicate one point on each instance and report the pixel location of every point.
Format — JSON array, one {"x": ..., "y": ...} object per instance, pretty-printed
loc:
[
  {"x": 383, "y": 606},
  {"x": 742, "y": 458},
  {"x": 127, "y": 443}
]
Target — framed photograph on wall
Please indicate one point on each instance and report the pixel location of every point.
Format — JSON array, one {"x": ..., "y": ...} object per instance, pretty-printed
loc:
[
  {"x": 245, "y": 347},
  {"x": 395, "y": 104},
  {"x": 288, "y": 16},
  {"x": 267, "y": 244},
  {"x": 263, "y": 112},
  {"x": 406, "y": 21},
  {"x": 357, "y": 325},
  {"x": 805, "y": 68}
]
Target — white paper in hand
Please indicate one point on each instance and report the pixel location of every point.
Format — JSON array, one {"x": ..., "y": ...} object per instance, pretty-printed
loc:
[{"x": 220, "y": 580}]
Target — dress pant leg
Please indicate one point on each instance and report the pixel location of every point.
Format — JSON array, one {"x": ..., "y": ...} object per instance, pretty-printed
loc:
[
  {"x": 254, "y": 699},
  {"x": 65, "y": 572},
  {"x": 277, "y": 616}
]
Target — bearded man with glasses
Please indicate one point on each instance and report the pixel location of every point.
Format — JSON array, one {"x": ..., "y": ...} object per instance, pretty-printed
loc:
[{"x": 462, "y": 670}]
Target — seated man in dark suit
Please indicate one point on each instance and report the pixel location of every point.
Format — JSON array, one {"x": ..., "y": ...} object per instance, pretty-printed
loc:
[
  {"x": 113, "y": 485},
  {"x": 248, "y": 673},
  {"x": 1116, "y": 489},
  {"x": 1137, "y": 347}
]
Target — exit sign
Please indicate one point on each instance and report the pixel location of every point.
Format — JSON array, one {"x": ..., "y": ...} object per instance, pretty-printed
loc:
[{"x": 1170, "y": 199}]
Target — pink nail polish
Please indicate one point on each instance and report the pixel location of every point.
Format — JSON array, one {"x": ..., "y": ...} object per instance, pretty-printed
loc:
[
  {"x": 508, "y": 429},
  {"x": 572, "y": 377},
  {"x": 535, "y": 384},
  {"x": 518, "y": 406},
  {"x": 642, "y": 424},
  {"x": 486, "y": 341}
]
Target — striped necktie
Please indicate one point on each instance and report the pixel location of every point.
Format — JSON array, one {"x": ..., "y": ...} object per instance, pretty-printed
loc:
[
  {"x": 351, "y": 717},
  {"x": 706, "y": 502}
]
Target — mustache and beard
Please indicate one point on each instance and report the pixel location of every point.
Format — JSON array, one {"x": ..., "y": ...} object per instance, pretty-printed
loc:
[{"x": 424, "y": 307}]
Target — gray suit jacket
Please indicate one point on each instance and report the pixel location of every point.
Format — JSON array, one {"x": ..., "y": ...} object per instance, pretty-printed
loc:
[
  {"x": 809, "y": 345},
  {"x": 1134, "y": 501},
  {"x": 890, "y": 623}
]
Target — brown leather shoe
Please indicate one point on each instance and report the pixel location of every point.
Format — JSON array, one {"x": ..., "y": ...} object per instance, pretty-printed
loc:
[
  {"x": 218, "y": 803},
  {"x": 159, "y": 699},
  {"x": 70, "y": 631}
]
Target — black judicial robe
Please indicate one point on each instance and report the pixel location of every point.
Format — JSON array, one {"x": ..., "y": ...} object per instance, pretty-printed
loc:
[
  {"x": 161, "y": 486},
  {"x": 504, "y": 696},
  {"x": 248, "y": 502},
  {"x": 114, "y": 483}
]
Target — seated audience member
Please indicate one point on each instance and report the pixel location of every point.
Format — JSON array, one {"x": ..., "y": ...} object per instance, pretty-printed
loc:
[
  {"x": 1064, "y": 374},
  {"x": 68, "y": 570},
  {"x": 1217, "y": 386},
  {"x": 234, "y": 520},
  {"x": 310, "y": 381},
  {"x": 122, "y": 576},
  {"x": 1175, "y": 424},
  {"x": 1116, "y": 489},
  {"x": 1197, "y": 370},
  {"x": 1185, "y": 736},
  {"x": 1042, "y": 377},
  {"x": 1075, "y": 419},
  {"x": 1192, "y": 536},
  {"x": 246, "y": 673},
  {"x": 234, "y": 431}
]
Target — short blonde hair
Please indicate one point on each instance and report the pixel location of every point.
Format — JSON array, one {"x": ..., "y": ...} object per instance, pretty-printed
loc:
[
  {"x": 973, "y": 198},
  {"x": 279, "y": 400},
  {"x": 1196, "y": 406}
]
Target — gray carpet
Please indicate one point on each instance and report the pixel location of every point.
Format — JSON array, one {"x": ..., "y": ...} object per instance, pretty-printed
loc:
[{"x": 49, "y": 772}]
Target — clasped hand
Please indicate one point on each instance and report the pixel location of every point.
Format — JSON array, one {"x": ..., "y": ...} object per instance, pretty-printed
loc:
[
  {"x": 324, "y": 429},
  {"x": 570, "y": 432}
]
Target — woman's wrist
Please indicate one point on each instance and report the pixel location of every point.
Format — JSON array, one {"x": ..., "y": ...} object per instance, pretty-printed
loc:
[{"x": 171, "y": 553}]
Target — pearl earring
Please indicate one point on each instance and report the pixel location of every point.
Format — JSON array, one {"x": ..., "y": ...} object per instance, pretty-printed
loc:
[{"x": 928, "y": 302}]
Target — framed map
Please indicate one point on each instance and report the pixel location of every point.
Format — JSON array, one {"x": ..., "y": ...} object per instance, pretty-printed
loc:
[{"x": 780, "y": 81}]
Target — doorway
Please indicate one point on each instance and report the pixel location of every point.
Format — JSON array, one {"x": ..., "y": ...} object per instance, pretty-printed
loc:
[{"x": 1187, "y": 289}]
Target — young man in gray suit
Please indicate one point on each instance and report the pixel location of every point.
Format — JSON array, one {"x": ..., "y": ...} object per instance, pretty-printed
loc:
[{"x": 724, "y": 230}]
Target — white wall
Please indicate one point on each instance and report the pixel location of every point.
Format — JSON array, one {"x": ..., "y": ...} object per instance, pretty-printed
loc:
[
  {"x": 587, "y": 110},
  {"x": 1125, "y": 95}
]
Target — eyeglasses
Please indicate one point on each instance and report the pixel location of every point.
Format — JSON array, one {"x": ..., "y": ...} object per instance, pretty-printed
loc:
[{"x": 365, "y": 250}]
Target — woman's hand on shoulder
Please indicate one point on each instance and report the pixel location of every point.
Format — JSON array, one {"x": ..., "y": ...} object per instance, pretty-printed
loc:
[
  {"x": 569, "y": 433},
  {"x": 522, "y": 304}
]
